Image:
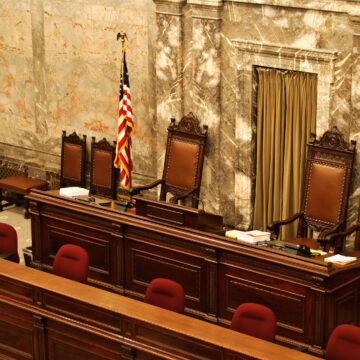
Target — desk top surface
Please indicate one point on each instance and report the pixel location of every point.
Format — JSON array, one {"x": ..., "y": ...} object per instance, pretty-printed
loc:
[{"x": 313, "y": 263}]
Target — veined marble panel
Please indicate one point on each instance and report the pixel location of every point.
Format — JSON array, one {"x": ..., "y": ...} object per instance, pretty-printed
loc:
[
  {"x": 169, "y": 73},
  {"x": 20, "y": 5},
  {"x": 345, "y": 6},
  {"x": 83, "y": 60},
  {"x": 16, "y": 76}
]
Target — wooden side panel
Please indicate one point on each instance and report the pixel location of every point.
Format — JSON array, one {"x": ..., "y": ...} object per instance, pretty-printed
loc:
[
  {"x": 100, "y": 246},
  {"x": 16, "y": 335},
  {"x": 80, "y": 311},
  {"x": 145, "y": 261},
  {"x": 72, "y": 343},
  {"x": 177, "y": 345},
  {"x": 291, "y": 303},
  {"x": 16, "y": 290}
]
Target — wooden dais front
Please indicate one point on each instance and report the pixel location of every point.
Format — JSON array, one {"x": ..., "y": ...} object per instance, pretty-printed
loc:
[{"x": 308, "y": 296}]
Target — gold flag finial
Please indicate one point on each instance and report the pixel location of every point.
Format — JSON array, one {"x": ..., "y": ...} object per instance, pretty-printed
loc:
[{"x": 122, "y": 36}]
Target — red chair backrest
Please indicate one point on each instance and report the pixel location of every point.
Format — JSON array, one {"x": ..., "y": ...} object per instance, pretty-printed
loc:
[
  {"x": 71, "y": 261},
  {"x": 255, "y": 320},
  {"x": 166, "y": 293},
  {"x": 344, "y": 343},
  {"x": 8, "y": 241}
]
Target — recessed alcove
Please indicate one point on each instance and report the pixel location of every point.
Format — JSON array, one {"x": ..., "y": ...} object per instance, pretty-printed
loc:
[{"x": 250, "y": 55}]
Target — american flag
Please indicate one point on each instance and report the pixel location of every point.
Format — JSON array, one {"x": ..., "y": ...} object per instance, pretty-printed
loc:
[{"x": 125, "y": 128}]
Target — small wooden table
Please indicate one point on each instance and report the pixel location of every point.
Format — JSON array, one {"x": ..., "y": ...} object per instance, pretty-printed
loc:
[{"x": 20, "y": 185}]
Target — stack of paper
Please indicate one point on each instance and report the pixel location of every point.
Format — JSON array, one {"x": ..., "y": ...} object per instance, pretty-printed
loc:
[
  {"x": 259, "y": 235},
  {"x": 74, "y": 191},
  {"x": 340, "y": 259},
  {"x": 252, "y": 236}
]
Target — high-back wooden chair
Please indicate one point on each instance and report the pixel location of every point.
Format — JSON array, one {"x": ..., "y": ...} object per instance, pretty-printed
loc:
[
  {"x": 73, "y": 157},
  {"x": 102, "y": 172},
  {"x": 184, "y": 159},
  {"x": 326, "y": 188}
]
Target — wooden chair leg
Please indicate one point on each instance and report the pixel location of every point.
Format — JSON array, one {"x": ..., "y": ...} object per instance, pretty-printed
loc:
[{"x": 26, "y": 206}]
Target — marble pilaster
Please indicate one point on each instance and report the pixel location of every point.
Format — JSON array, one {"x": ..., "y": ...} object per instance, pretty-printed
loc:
[
  {"x": 202, "y": 71},
  {"x": 169, "y": 71}
]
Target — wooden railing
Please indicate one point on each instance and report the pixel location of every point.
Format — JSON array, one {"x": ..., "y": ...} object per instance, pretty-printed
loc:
[{"x": 43, "y": 316}]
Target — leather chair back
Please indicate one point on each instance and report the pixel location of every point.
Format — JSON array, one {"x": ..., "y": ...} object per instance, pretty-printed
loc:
[
  {"x": 73, "y": 157},
  {"x": 166, "y": 293},
  {"x": 327, "y": 182},
  {"x": 71, "y": 261},
  {"x": 9, "y": 242},
  {"x": 255, "y": 320},
  {"x": 102, "y": 172},
  {"x": 184, "y": 158}
]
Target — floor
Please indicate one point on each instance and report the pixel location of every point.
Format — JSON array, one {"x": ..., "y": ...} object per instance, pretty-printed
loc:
[{"x": 14, "y": 215}]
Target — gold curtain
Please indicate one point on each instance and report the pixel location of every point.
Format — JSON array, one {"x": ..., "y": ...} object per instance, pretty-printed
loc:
[{"x": 286, "y": 116}]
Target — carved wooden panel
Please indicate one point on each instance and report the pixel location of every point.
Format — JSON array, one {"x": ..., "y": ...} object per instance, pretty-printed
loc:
[
  {"x": 178, "y": 345},
  {"x": 81, "y": 311},
  {"x": 346, "y": 303},
  {"x": 16, "y": 335},
  {"x": 16, "y": 289},
  {"x": 98, "y": 245},
  {"x": 66, "y": 341},
  {"x": 290, "y": 302},
  {"x": 146, "y": 262}
]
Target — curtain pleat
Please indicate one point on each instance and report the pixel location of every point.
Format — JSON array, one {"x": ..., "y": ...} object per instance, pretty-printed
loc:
[{"x": 286, "y": 116}]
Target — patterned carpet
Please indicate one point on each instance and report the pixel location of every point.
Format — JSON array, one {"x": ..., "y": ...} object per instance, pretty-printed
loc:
[{"x": 14, "y": 215}]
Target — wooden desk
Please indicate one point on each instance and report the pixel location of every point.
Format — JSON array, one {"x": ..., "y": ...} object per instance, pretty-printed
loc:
[
  {"x": 309, "y": 297},
  {"x": 43, "y": 316}
]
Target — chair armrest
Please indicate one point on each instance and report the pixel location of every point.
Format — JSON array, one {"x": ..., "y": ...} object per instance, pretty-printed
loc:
[
  {"x": 6, "y": 256},
  {"x": 274, "y": 227},
  {"x": 345, "y": 233},
  {"x": 325, "y": 233},
  {"x": 136, "y": 190},
  {"x": 175, "y": 199}
]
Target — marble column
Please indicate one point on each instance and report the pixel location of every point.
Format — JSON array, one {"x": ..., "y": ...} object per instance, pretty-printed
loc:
[
  {"x": 202, "y": 66},
  {"x": 169, "y": 71}
]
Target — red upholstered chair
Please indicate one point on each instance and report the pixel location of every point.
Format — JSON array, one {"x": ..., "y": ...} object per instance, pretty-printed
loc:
[
  {"x": 255, "y": 320},
  {"x": 166, "y": 293},
  {"x": 71, "y": 261},
  {"x": 8, "y": 243},
  {"x": 344, "y": 343}
]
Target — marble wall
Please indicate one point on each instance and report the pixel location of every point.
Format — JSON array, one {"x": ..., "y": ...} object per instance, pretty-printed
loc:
[{"x": 60, "y": 65}]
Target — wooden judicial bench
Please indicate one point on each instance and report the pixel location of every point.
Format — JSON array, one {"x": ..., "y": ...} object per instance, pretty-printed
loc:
[
  {"x": 45, "y": 317},
  {"x": 309, "y": 296}
]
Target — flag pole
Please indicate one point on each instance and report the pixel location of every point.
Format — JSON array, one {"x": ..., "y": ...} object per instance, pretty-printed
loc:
[{"x": 122, "y": 36}]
